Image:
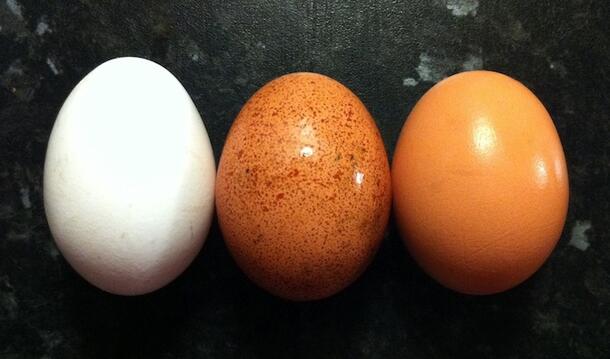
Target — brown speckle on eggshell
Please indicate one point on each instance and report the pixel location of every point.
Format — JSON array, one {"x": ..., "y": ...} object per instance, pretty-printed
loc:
[{"x": 303, "y": 189}]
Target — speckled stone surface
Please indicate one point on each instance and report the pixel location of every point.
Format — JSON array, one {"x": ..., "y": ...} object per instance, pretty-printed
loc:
[
  {"x": 303, "y": 190},
  {"x": 389, "y": 52}
]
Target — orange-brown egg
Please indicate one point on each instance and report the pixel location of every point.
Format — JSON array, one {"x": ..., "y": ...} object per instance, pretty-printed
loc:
[
  {"x": 303, "y": 190},
  {"x": 480, "y": 183}
]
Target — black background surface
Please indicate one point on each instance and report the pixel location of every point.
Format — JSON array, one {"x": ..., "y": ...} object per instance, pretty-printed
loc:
[{"x": 389, "y": 52}]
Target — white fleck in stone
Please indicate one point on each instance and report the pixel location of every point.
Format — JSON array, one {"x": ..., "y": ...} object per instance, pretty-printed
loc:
[
  {"x": 14, "y": 236},
  {"x": 473, "y": 62},
  {"x": 10, "y": 305},
  {"x": 15, "y": 8},
  {"x": 436, "y": 68},
  {"x": 50, "y": 339},
  {"x": 546, "y": 321},
  {"x": 16, "y": 69},
  {"x": 52, "y": 66},
  {"x": 52, "y": 250},
  {"x": 261, "y": 45},
  {"x": 25, "y": 197},
  {"x": 409, "y": 81},
  {"x": 432, "y": 69},
  {"x": 240, "y": 80},
  {"x": 558, "y": 67},
  {"x": 193, "y": 51},
  {"x": 517, "y": 31},
  {"x": 462, "y": 7},
  {"x": 427, "y": 69},
  {"x": 4, "y": 282},
  {"x": 42, "y": 28},
  {"x": 8, "y": 300},
  {"x": 579, "y": 238}
]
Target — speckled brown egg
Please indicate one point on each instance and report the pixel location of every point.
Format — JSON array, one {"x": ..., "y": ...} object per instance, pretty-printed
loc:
[{"x": 303, "y": 189}]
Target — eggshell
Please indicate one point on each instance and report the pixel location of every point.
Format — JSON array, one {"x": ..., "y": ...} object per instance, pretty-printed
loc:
[
  {"x": 129, "y": 178},
  {"x": 480, "y": 183},
  {"x": 303, "y": 189}
]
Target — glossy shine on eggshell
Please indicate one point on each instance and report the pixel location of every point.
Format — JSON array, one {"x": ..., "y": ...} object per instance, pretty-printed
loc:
[
  {"x": 303, "y": 187},
  {"x": 480, "y": 183}
]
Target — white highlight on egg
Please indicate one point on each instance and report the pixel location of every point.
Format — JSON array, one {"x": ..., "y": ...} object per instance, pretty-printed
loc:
[
  {"x": 541, "y": 172},
  {"x": 559, "y": 166},
  {"x": 129, "y": 177},
  {"x": 484, "y": 137},
  {"x": 359, "y": 178},
  {"x": 25, "y": 198},
  {"x": 307, "y": 151}
]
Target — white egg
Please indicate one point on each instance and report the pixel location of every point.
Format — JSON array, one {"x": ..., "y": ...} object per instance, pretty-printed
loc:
[{"x": 129, "y": 178}]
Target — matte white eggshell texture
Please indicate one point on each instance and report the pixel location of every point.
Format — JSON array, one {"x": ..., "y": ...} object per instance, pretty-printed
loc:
[{"x": 129, "y": 178}]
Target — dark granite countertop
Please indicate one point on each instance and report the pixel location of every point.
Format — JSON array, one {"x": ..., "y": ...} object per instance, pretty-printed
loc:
[{"x": 389, "y": 52}]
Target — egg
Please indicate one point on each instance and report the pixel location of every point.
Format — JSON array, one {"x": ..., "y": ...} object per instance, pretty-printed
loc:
[
  {"x": 480, "y": 183},
  {"x": 129, "y": 178},
  {"x": 303, "y": 189}
]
